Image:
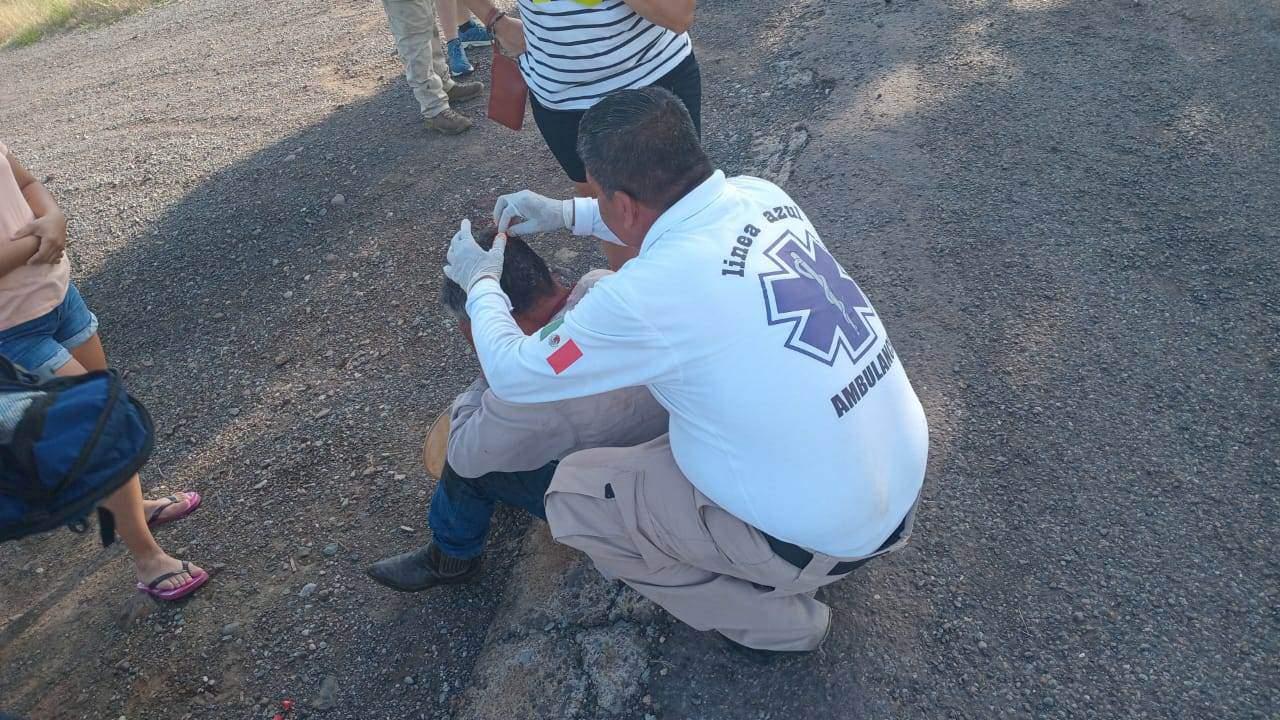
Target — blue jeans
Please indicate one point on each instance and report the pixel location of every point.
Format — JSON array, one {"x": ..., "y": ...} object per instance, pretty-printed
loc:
[
  {"x": 43, "y": 345},
  {"x": 462, "y": 507}
]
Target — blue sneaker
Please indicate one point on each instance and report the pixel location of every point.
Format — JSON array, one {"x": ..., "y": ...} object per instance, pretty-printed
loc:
[
  {"x": 458, "y": 65},
  {"x": 472, "y": 35}
]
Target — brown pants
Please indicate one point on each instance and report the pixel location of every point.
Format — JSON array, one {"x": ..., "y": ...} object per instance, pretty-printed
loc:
[{"x": 641, "y": 521}]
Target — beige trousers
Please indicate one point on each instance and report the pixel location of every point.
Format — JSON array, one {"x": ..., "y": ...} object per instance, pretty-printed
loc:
[
  {"x": 413, "y": 23},
  {"x": 641, "y": 521}
]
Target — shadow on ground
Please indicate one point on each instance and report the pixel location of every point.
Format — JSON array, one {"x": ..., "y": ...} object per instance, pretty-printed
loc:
[{"x": 280, "y": 323}]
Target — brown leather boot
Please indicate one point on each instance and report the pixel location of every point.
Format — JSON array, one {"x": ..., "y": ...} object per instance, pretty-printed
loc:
[
  {"x": 464, "y": 91},
  {"x": 423, "y": 568},
  {"x": 448, "y": 122}
]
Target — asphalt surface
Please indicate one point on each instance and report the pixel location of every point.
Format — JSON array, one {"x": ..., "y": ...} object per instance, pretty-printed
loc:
[{"x": 1065, "y": 211}]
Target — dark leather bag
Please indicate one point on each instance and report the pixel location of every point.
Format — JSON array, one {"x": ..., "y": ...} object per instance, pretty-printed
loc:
[{"x": 509, "y": 94}]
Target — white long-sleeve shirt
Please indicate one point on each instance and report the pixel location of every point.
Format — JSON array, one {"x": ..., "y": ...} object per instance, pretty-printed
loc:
[
  {"x": 488, "y": 434},
  {"x": 789, "y": 407}
]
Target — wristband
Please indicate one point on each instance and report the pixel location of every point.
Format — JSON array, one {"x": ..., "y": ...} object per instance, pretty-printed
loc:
[
  {"x": 567, "y": 213},
  {"x": 583, "y": 216}
]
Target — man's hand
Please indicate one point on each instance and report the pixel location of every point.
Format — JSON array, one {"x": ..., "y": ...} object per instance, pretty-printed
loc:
[
  {"x": 538, "y": 213},
  {"x": 468, "y": 262},
  {"x": 510, "y": 32},
  {"x": 51, "y": 230}
]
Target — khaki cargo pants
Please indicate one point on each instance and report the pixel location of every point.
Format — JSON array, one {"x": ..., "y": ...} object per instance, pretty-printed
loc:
[
  {"x": 641, "y": 521},
  {"x": 413, "y": 23}
]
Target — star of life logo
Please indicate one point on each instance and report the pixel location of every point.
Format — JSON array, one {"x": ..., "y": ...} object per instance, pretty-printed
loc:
[{"x": 826, "y": 309}]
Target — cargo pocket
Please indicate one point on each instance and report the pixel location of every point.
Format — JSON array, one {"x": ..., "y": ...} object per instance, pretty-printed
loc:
[
  {"x": 738, "y": 542},
  {"x": 599, "y": 501}
]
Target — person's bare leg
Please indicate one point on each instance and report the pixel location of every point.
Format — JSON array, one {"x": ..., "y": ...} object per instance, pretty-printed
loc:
[
  {"x": 90, "y": 357},
  {"x": 126, "y": 504},
  {"x": 450, "y": 14},
  {"x": 149, "y": 561},
  {"x": 614, "y": 255}
]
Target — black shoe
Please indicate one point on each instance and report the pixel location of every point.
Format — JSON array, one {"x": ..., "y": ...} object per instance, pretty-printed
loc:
[{"x": 423, "y": 568}]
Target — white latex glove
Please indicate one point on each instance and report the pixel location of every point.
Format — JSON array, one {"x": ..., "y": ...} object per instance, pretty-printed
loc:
[
  {"x": 538, "y": 213},
  {"x": 468, "y": 262}
]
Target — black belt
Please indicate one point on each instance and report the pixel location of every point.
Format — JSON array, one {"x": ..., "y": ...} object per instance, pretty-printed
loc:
[{"x": 800, "y": 557}]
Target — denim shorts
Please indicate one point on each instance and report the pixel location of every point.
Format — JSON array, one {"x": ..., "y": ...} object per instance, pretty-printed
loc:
[{"x": 42, "y": 345}]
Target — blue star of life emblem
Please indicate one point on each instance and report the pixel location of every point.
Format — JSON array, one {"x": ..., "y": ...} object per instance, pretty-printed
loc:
[{"x": 825, "y": 307}]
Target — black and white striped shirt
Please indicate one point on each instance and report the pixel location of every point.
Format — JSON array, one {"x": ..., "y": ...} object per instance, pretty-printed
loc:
[{"x": 581, "y": 50}]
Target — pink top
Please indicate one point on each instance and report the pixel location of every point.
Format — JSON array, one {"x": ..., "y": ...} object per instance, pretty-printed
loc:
[{"x": 30, "y": 291}]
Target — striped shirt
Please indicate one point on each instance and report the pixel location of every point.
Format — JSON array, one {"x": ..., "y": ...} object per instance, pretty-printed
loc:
[{"x": 581, "y": 50}]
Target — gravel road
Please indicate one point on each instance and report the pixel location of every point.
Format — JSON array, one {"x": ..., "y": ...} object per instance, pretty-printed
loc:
[
  {"x": 287, "y": 343},
  {"x": 1066, "y": 210}
]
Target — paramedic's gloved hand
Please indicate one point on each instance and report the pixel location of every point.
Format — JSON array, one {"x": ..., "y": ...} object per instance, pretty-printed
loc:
[
  {"x": 537, "y": 213},
  {"x": 468, "y": 262}
]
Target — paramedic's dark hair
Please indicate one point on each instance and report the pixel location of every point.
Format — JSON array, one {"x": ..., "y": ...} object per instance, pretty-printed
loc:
[
  {"x": 643, "y": 143},
  {"x": 525, "y": 277}
]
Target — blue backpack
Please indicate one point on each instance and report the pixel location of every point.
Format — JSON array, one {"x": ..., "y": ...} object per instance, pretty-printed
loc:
[{"x": 65, "y": 444}]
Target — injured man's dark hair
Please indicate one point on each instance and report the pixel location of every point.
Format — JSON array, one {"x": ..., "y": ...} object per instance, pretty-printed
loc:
[{"x": 526, "y": 279}]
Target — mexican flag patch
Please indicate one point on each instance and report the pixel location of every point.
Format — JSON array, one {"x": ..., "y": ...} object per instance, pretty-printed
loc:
[
  {"x": 566, "y": 353},
  {"x": 545, "y": 332},
  {"x": 561, "y": 359}
]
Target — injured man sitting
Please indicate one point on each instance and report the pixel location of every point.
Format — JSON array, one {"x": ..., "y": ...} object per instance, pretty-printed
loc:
[{"x": 506, "y": 452}]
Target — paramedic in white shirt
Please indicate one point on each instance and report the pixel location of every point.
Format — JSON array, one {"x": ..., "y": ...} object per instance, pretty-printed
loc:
[{"x": 797, "y": 446}]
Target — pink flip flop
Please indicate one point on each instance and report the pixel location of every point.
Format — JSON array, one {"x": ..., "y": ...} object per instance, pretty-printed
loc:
[
  {"x": 193, "y": 503},
  {"x": 176, "y": 593}
]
